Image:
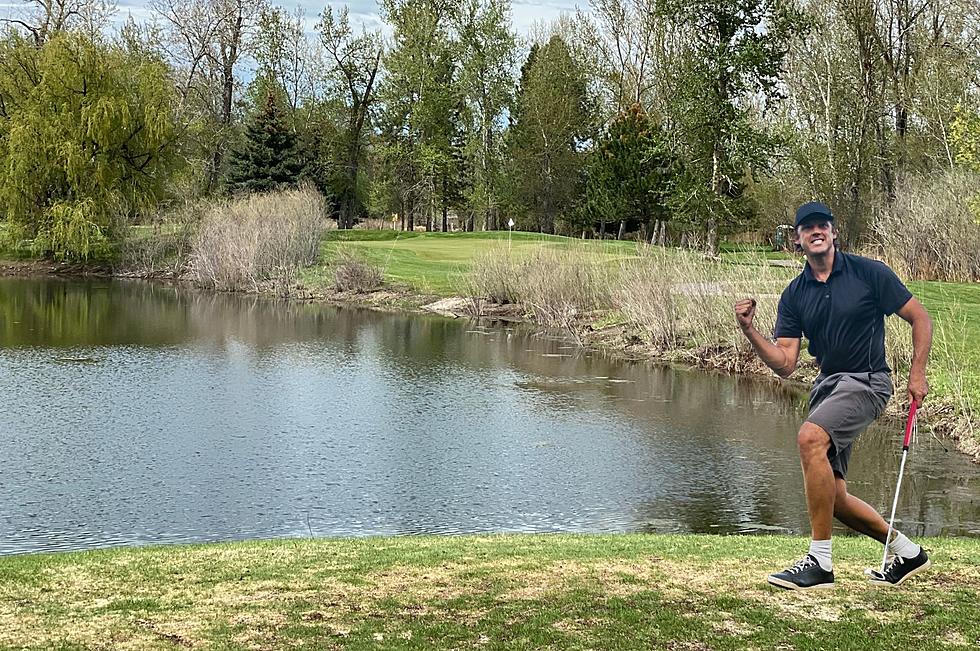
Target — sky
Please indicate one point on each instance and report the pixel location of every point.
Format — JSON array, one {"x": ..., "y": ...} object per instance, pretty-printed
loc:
[{"x": 524, "y": 13}]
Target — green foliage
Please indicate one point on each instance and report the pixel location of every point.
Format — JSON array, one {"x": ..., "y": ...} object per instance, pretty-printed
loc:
[
  {"x": 965, "y": 138},
  {"x": 488, "y": 52},
  {"x": 732, "y": 58},
  {"x": 630, "y": 172},
  {"x": 552, "y": 119},
  {"x": 421, "y": 125},
  {"x": 268, "y": 158},
  {"x": 339, "y": 152},
  {"x": 88, "y": 141}
]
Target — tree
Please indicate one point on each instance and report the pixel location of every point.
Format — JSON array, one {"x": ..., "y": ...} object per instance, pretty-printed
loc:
[
  {"x": 628, "y": 40},
  {"x": 88, "y": 141},
  {"x": 268, "y": 158},
  {"x": 283, "y": 53},
  {"x": 353, "y": 68},
  {"x": 487, "y": 54},
  {"x": 207, "y": 39},
  {"x": 551, "y": 121},
  {"x": 856, "y": 127},
  {"x": 45, "y": 18},
  {"x": 422, "y": 103},
  {"x": 629, "y": 175},
  {"x": 729, "y": 72}
]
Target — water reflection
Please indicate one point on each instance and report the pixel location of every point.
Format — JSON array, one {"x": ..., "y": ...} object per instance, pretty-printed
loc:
[{"x": 138, "y": 413}]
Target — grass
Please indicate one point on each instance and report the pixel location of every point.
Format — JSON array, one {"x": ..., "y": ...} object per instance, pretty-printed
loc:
[
  {"x": 438, "y": 263},
  {"x": 490, "y": 592},
  {"x": 955, "y": 307}
]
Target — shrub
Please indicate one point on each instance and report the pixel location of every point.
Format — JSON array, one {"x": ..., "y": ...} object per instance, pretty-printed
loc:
[
  {"x": 553, "y": 283},
  {"x": 163, "y": 247},
  {"x": 930, "y": 231},
  {"x": 258, "y": 242},
  {"x": 354, "y": 275},
  {"x": 684, "y": 300}
]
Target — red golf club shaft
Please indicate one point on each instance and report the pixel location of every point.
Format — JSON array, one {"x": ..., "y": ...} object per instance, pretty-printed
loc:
[
  {"x": 909, "y": 428},
  {"x": 909, "y": 425}
]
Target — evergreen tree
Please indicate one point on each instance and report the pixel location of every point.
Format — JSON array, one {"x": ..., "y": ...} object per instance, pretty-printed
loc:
[
  {"x": 268, "y": 158},
  {"x": 629, "y": 174}
]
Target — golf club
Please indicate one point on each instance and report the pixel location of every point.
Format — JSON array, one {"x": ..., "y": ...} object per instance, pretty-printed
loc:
[{"x": 910, "y": 427}]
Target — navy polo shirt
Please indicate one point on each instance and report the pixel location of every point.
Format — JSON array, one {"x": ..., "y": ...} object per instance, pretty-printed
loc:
[{"x": 843, "y": 318}]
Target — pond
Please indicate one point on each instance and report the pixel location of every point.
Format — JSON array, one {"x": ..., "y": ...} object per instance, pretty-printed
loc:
[{"x": 139, "y": 413}]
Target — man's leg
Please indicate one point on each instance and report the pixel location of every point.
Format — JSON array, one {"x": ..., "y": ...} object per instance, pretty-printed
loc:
[
  {"x": 818, "y": 478},
  {"x": 858, "y": 514},
  {"x": 815, "y": 570},
  {"x": 908, "y": 558}
]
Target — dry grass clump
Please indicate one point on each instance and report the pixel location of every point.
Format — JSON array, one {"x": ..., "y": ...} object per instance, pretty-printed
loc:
[
  {"x": 258, "y": 242},
  {"x": 930, "y": 232},
  {"x": 554, "y": 283},
  {"x": 683, "y": 299},
  {"x": 352, "y": 274}
]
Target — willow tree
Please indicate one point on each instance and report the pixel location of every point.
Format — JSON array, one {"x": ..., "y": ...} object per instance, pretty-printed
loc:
[{"x": 87, "y": 141}]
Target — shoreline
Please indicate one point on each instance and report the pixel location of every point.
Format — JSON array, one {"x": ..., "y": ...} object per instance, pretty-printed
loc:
[{"x": 618, "y": 341}]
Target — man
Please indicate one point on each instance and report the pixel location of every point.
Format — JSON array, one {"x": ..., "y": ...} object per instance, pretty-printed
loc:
[{"x": 839, "y": 302}]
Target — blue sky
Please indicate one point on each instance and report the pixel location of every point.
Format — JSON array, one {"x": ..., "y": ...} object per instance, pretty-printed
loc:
[{"x": 524, "y": 12}]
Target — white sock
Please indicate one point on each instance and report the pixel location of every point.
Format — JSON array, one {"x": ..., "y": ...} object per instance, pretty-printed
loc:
[
  {"x": 902, "y": 546},
  {"x": 820, "y": 550}
]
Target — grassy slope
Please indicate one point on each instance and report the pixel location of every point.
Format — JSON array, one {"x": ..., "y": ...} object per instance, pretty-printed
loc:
[
  {"x": 955, "y": 308},
  {"x": 494, "y": 592}
]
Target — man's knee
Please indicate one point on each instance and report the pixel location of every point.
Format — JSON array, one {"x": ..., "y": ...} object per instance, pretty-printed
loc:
[{"x": 812, "y": 440}]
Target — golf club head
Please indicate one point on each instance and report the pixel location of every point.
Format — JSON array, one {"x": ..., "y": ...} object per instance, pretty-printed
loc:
[{"x": 872, "y": 573}]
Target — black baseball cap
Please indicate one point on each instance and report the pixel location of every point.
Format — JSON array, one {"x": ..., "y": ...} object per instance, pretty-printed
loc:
[{"x": 811, "y": 212}]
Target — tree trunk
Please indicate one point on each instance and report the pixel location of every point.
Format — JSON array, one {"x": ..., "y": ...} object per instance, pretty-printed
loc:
[{"x": 445, "y": 207}]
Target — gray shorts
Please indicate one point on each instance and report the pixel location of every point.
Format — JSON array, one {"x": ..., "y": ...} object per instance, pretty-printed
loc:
[{"x": 844, "y": 404}]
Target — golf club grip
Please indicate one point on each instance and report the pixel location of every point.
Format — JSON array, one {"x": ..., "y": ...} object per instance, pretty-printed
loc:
[{"x": 909, "y": 424}]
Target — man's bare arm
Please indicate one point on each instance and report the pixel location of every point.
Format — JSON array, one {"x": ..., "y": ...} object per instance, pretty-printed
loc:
[
  {"x": 918, "y": 318},
  {"x": 782, "y": 356}
]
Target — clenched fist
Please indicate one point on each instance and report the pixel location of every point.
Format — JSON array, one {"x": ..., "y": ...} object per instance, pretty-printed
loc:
[{"x": 744, "y": 313}]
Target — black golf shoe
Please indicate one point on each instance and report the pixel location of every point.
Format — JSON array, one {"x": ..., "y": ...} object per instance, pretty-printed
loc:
[
  {"x": 806, "y": 574},
  {"x": 899, "y": 569}
]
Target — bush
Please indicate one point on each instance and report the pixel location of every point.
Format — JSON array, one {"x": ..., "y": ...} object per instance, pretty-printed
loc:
[
  {"x": 354, "y": 275},
  {"x": 684, "y": 300},
  {"x": 930, "y": 231},
  {"x": 259, "y": 242},
  {"x": 554, "y": 283}
]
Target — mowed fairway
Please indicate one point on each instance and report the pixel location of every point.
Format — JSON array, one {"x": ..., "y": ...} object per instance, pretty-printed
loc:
[{"x": 437, "y": 263}]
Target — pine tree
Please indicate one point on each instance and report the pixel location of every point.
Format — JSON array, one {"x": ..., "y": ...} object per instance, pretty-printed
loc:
[{"x": 268, "y": 158}]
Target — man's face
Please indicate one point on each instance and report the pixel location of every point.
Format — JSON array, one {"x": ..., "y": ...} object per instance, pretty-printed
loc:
[{"x": 816, "y": 237}]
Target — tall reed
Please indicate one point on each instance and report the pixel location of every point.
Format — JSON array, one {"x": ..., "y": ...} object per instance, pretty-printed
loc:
[
  {"x": 258, "y": 242},
  {"x": 554, "y": 283},
  {"x": 684, "y": 300},
  {"x": 931, "y": 231}
]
